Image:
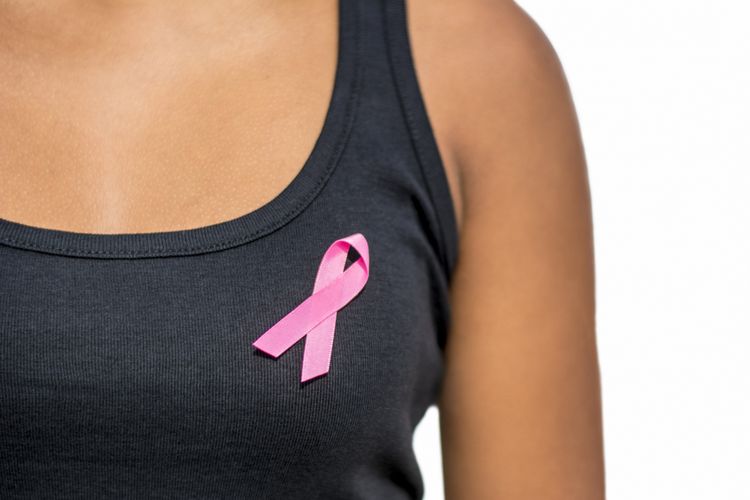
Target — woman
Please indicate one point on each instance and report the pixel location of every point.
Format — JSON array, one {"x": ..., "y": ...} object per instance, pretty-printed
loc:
[{"x": 237, "y": 259}]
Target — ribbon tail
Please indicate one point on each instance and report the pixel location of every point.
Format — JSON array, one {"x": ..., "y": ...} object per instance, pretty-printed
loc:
[
  {"x": 316, "y": 359},
  {"x": 292, "y": 327}
]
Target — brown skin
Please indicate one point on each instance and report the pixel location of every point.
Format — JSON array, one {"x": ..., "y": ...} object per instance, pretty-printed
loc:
[
  {"x": 520, "y": 410},
  {"x": 230, "y": 98}
]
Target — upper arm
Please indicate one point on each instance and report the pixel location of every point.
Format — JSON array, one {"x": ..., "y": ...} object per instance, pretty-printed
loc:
[{"x": 520, "y": 412}]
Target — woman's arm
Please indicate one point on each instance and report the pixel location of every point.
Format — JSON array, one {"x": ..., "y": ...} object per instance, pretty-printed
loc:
[{"x": 520, "y": 411}]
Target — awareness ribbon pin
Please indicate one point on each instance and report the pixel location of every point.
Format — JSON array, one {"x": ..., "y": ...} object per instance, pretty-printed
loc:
[{"x": 315, "y": 317}]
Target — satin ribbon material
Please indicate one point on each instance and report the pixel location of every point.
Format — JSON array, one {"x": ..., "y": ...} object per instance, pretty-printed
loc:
[{"x": 315, "y": 317}]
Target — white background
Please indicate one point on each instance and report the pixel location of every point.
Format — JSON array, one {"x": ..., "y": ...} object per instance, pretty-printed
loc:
[{"x": 662, "y": 91}]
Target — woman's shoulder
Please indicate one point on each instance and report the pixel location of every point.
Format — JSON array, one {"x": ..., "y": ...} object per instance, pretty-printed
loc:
[
  {"x": 491, "y": 80},
  {"x": 521, "y": 382}
]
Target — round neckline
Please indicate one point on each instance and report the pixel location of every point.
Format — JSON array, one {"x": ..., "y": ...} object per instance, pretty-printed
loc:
[{"x": 290, "y": 202}]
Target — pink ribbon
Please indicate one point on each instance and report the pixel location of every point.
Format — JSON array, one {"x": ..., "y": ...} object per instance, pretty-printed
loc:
[{"x": 315, "y": 317}]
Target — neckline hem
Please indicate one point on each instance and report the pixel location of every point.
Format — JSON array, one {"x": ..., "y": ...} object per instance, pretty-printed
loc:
[{"x": 290, "y": 202}]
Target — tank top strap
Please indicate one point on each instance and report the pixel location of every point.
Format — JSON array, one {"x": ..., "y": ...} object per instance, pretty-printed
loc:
[{"x": 400, "y": 55}]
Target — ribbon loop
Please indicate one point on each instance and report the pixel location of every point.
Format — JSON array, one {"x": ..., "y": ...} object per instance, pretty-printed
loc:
[{"x": 315, "y": 317}]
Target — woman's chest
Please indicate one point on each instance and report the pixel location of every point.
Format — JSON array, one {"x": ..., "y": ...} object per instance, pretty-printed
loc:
[
  {"x": 154, "y": 358},
  {"x": 125, "y": 132}
]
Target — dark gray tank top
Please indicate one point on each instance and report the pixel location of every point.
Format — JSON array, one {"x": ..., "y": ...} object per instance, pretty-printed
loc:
[{"x": 127, "y": 364}]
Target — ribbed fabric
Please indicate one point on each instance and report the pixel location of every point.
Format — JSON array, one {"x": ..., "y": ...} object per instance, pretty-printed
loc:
[{"x": 126, "y": 364}]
